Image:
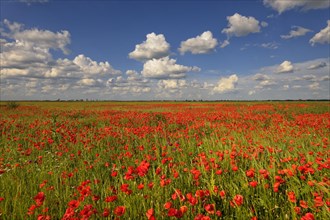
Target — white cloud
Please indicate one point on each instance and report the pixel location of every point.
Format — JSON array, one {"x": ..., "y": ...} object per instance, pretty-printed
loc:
[
  {"x": 20, "y": 55},
  {"x": 80, "y": 66},
  {"x": 323, "y": 37},
  {"x": 296, "y": 32},
  {"x": 172, "y": 83},
  {"x": 270, "y": 45},
  {"x": 317, "y": 66},
  {"x": 90, "y": 67},
  {"x": 260, "y": 77},
  {"x": 44, "y": 39},
  {"x": 134, "y": 84},
  {"x": 263, "y": 80},
  {"x": 314, "y": 86},
  {"x": 225, "y": 43},
  {"x": 299, "y": 84},
  {"x": 251, "y": 92},
  {"x": 165, "y": 68},
  {"x": 226, "y": 84},
  {"x": 284, "y": 5},
  {"x": 240, "y": 26},
  {"x": 29, "y": 2},
  {"x": 285, "y": 67},
  {"x": 201, "y": 44},
  {"x": 154, "y": 47},
  {"x": 266, "y": 84},
  {"x": 63, "y": 68},
  {"x": 27, "y": 52},
  {"x": 87, "y": 82},
  {"x": 264, "y": 24}
]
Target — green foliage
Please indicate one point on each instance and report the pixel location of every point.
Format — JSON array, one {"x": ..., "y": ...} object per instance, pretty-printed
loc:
[
  {"x": 12, "y": 105},
  {"x": 55, "y": 150}
]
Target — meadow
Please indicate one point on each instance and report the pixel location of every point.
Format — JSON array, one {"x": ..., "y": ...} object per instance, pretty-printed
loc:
[{"x": 165, "y": 160}]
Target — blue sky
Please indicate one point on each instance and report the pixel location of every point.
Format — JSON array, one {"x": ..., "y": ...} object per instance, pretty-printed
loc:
[{"x": 146, "y": 50}]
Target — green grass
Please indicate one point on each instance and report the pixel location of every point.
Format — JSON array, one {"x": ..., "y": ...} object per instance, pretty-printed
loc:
[{"x": 62, "y": 145}]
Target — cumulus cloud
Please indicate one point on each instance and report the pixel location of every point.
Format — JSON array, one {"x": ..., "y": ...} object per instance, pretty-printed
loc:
[
  {"x": 154, "y": 47},
  {"x": 317, "y": 66},
  {"x": 285, "y": 67},
  {"x": 63, "y": 68},
  {"x": 18, "y": 55},
  {"x": 44, "y": 39},
  {"x": 172, "y": 83},
  {"x": 260, "y": 77},
  {"x": 314, "y": 86},
  {"x": 87, "y": 82},
  {"x": 165, "y": 68},
  {"x": 240, "y": 26},
  {"x": 80, "y": 66},
  {"x": 27, "y": 53},
  {"x": 263, "y": 80},
  {"x": 90, "y": 67},
  {"x": 296, "y": 32},
  {"x": 323, "y": 37},
  {"x": 201, "y": 44},
  {"x": 266, "y": 84},
  {"x": 134, "y": 84},
  {"x": 226, "y": 84},
  {"x": 280, "y": 6}
]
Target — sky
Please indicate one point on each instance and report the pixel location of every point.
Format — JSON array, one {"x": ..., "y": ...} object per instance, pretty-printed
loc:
[{"x": 164, "y": 50}]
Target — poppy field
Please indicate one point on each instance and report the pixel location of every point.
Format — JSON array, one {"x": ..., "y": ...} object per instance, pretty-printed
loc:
[{"x": 165, "y": 160}]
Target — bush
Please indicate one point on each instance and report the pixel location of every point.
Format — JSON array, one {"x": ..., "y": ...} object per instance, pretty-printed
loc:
[{"x": 12, "y": 105}]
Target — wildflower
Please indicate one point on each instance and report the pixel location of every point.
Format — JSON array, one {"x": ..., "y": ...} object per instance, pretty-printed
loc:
[
  {"x": 119, "y": 210},
  {"x": 140, "y": 186},
  {"x": 183, "y": 209},
  {"x": 39, "y": 198},
  {"x": 308, "y": 216},
  {"x": 111, "y": 198},
  {"x": 253, "y": 184},
  {"x": 303, "y": 204},
  {"x": 150, "y": 214},
  {"x": 172, "y": 212},
  {"x": 238, "y": 200},
  {"x": 73, "y": 204},
  {"x": 106, "y": 212},
  {"x": 250, "y": 173},
  {"x": 291, "y": 197},
  {"x": 210, "y": 208},
  {"x": 167, "y": 205},
  {"x": 222, "y": 193}
]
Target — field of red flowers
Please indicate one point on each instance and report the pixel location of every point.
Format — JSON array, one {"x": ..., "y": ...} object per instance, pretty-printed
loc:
[{"x": 147, "y": 160}]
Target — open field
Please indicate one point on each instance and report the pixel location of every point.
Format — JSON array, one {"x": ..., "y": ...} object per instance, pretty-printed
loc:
[{"x": 148, "y": 160}]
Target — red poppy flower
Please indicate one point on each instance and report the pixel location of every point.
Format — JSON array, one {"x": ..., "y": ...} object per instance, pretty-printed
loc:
[
  {"x": 39, "y": 198},
  {"x": 172, "y": 212},
  {"x": 73, "y": 204},
  {"x": 238, "y": 200},
  {"x": 167, "y": 205},
  {"x": 106, "y": 212},
  {"x": 150, "y": 213},
  {"x": 308, "y": 216},
  {"x": 291, "y": 197},
  {"x": 210, "y": 208},
  {"x": 119, "y": 210},
  {"x": 303, "y": 204},
  {"x": 111, "y": 198},
  {"x": 253, "y": 184}
]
